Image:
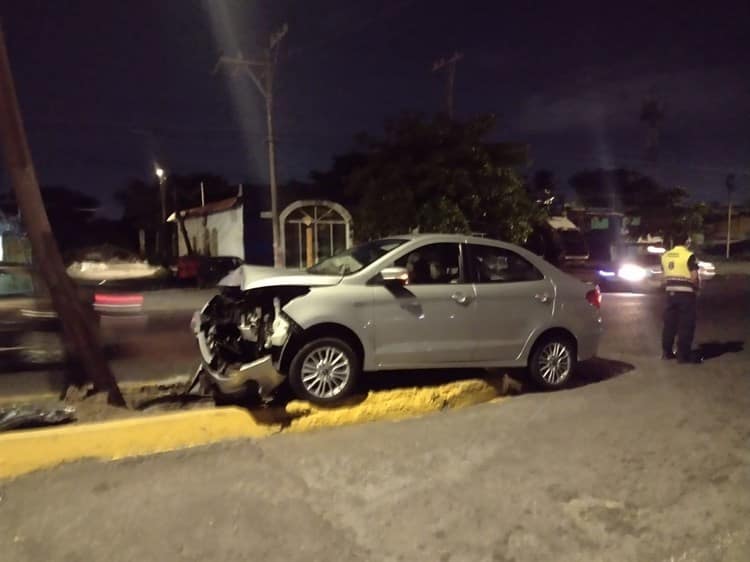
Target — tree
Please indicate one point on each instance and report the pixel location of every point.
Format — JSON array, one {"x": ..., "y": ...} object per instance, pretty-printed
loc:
[
  {"x": 438, "y": 175},
  {"x": 544, "y": 184},
  {"x": 334, "y": 182},
  {"x": 140, "y": 204},
  {"x": 544, "y": 189}
]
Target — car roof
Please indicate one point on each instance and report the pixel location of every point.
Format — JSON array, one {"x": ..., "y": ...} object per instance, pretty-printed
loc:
[{"x": 445, "y": 237}]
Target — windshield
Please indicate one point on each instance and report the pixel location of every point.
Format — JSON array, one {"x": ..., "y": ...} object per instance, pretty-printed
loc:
[
  {"x": 639, "y": 254},
  {"x": 352, "y": 260}
]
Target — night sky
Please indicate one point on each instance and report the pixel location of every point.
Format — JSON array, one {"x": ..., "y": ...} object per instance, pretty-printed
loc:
[{"x": 108, "y": 87}]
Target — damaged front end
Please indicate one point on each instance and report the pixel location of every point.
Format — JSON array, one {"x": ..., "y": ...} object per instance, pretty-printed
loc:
[{"x": 242, "y": 336}]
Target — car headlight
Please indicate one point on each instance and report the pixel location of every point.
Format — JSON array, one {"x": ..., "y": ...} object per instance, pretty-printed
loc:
[{"x": 632, "y": 272}]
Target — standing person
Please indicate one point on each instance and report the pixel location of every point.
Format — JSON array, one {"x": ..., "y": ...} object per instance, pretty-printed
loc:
[{"x": 682, "y": 282}]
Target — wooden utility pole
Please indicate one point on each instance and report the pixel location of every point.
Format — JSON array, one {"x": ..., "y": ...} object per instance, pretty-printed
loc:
[
  {"x": 78, "y": 327},
  {"x": 450, "y": 65},
  {"x": 261, "y": 71}
]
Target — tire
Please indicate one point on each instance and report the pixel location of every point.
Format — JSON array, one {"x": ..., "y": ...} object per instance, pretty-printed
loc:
[
  {"x": 553, "y": 362},
  {"x": 324, "y": 371}
]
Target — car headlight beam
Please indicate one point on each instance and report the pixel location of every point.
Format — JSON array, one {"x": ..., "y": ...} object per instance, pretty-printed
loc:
[{"x": 631, "y": 272}]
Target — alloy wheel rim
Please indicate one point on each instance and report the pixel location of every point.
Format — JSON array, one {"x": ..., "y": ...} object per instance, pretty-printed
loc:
[
  {"x": 554, "y": 363},
  {"x": 325, "y": 372}
]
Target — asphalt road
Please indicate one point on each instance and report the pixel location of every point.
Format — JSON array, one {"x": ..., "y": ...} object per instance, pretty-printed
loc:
[
  {"x": 158, "y": 344},
  {"x": 649, "y": 461},
  {"x": 633, "y": 322},
  {"x": 154, "y": 345}
]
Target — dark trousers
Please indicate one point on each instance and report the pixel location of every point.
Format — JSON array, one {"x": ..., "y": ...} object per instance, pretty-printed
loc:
[{"x": 679, "y": 320}]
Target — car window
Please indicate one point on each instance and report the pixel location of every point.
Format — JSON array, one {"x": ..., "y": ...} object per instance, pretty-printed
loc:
[
  {"x": 16, "y": 284},
  {"x": 498, "y": 265},
  {"x": 434, "y": 264},
  {"x": 352, "y": 260}
]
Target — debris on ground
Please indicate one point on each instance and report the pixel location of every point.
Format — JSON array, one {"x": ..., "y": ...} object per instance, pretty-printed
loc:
[
  {"x": 23, "y": 417},
  {"x": 397, "y": 403},
  {"x": 142, "y": 400}
]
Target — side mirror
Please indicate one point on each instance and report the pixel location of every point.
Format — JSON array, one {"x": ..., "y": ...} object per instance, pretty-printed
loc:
[{"x": 395, "y": 276}]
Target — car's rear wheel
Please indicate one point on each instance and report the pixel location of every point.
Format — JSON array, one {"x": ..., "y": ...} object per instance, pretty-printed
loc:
[
  {"x": 553, "y": 361},
  {"x": 324, "y": 371}
]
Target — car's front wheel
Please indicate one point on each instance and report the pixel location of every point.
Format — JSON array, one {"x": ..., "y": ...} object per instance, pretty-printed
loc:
[
  {"x": 553, "y": 361},
  {"x": 324, "y": 371}
]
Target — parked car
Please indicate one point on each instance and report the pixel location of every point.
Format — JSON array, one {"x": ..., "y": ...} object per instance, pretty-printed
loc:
[
  {"x": 635, "y": 271},
  {"x": 205, "y": 271},
  {"x": 406, "y": 302},
  {"x": 112, "y": 268},
  {"x": 29, "y": 328}
]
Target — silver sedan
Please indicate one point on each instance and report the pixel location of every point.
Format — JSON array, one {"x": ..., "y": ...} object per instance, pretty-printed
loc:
[{"x": 430, "y": 301}]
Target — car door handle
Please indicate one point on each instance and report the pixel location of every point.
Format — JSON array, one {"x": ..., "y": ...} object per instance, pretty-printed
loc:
[
  {"x": 542, "y": 297},
  {"x": 461, "y": 298}
]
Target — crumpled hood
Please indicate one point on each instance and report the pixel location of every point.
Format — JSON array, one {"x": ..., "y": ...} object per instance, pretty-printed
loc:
[{"x": 258, "y": 276}]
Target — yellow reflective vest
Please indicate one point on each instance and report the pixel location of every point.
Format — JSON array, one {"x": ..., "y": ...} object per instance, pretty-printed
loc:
[{"x": 677, "y": 274}]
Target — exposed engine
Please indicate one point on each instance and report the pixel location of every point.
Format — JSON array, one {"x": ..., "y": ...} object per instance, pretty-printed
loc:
[{"x": 242, "y": 326}]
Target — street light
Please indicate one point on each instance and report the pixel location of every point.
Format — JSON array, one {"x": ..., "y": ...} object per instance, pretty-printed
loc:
[{"x": 161, "y": 176}]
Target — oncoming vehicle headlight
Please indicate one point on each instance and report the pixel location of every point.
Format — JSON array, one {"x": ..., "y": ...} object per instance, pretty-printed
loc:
[{"x": 631, "y": 272}]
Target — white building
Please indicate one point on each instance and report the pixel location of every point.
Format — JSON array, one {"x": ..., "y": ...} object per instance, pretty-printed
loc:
[
  {"x": 310, "y": 230},
  {"x": 215, "y": 229}
]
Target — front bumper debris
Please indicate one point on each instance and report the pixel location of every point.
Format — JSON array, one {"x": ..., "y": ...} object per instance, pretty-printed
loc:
[{"x": 235, "y": 379}]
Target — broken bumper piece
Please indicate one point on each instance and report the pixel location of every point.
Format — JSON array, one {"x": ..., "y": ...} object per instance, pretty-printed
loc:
[{"x": 236, "y": 379}]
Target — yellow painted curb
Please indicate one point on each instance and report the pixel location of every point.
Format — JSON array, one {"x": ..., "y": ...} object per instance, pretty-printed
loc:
[
  {"x": 28, "y": 450},
  {"x": 397, "y": 404}
]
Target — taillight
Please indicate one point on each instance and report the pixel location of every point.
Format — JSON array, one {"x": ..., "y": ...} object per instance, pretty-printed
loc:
[
  {"x": 594, "y": 297},
  {"x": 106, "y": 302}
]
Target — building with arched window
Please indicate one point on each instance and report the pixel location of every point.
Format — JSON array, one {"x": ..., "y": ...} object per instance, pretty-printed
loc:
[{"x": 311, "y": 229}]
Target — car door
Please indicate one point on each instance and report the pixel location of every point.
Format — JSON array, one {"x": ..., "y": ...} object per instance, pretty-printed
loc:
[
  {"x": 16, "y": 294},
  {"x": 429, "y": 321},
  {"x": 513, "y": 300}
]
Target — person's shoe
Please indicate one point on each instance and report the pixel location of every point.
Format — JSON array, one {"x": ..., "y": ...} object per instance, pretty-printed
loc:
[
  {"x": 668, "y": 356},
  {"x": 694, "y": 359}
]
